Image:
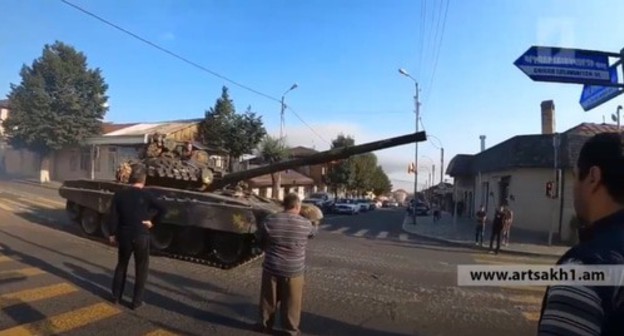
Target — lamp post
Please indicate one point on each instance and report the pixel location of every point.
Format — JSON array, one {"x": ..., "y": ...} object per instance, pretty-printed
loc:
[
  {"x": 441, "y": 148},
  {"x": 417, "y": 112},
  {"x": 282, "y": 121}
]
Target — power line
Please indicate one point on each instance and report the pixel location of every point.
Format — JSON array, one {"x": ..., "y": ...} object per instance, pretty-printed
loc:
[
  {"x": 187, "y": 61},
  {"x": 306, "y": 124},
  {"x": 437, "y": 52}
]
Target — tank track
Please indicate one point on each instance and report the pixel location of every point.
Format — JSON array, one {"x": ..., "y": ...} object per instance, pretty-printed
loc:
[
  {"x": 207, "y": 262},
  {"x": 170, "y": 168}
]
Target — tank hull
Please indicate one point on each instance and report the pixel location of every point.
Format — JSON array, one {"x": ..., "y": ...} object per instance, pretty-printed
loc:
[{"x": 208, "y": 228}]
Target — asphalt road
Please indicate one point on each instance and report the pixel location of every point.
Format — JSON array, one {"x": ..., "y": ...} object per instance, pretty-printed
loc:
[{"x": 365, "y": 277}]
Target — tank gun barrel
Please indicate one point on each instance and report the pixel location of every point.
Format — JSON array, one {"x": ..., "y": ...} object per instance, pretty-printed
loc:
[{"x": 318, "y": 158}]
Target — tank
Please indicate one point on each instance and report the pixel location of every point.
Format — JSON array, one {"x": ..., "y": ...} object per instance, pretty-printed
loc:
[{"x": 211, "y": 219}]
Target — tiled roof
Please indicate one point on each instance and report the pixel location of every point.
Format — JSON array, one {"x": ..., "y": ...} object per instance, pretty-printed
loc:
[
  {"x": 112, "y": 127},
  {"x": 528, "y": 151},
  {"x": 301, "y": 151},
  {"x": 288, "y": 178},
  {"x": 147, "y": 128}
]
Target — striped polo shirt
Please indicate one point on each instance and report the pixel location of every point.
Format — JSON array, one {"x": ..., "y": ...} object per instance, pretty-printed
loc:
[{"x": 285, "y": 236}]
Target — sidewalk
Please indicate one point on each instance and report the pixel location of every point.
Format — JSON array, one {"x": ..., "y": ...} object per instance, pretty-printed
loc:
[
  {"x": 463, "y": 234},
  {"x": 31, "y": 181}
]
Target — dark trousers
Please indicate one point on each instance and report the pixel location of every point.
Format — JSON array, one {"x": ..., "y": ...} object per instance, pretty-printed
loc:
[
  {"x": 496, "y": 231},
  {"x": 480, "y": 228},
  {"x": 139, "y": 245},
  {"x": 288, "y": 292}
]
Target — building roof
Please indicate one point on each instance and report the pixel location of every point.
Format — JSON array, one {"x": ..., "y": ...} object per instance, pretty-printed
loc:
[
  {"x": 166, "y": 127},
  {"x": 289, "y": 178},
  {"x": 301, "y": 151},
  {"x": 528, "y": 151},
  {"x": 108, "y": 127},
  {"x": 4, "y": 103}
]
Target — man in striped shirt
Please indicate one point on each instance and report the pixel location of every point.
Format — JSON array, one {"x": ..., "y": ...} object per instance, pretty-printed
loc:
[
  {"x": 284, "y": 236},
  {"x": 599, "y": 203}
]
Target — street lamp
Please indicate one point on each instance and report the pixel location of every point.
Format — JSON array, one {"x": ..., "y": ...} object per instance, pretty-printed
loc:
[
  {"x": 417, "y": 112},
  {"x": 617, "y": 118},
  {"x": 441, "y": 148},
  {"x": 282, "y": 122}
]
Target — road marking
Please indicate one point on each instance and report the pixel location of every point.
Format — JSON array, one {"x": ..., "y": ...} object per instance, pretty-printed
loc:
[
  {"x": 24, "y": 272},
  {"x": 6, "y": 208},
  {"x": 341, "y": 230},
  {"x": 64, "y": 322},
  {"x": 360, "y": 233},
  {"x": 160, "y": 332},
  {"x": 531, "y": 316},
  {"x": 38, "y": 204},
  {"x": 403, "y": 237},
  {"x": 31, "y": 295},
  {"x": 509, "y": 262},
  {"x": 56, "y": 204},
  {"x": 514, "y": 258},
  {"x": 17, "y": 205},
  {"x": 325, "y": 226},
  {"x": 526, "y": 299},
  {"x": 382, "y": 234}
]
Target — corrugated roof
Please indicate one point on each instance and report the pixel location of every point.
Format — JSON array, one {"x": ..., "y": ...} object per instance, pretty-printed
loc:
[
  {"x": 591, "y": 129},
  {"x": 288, "y": 178},
  {"x": 112, "y": 127},
  {"x": 148, "y": 128}
]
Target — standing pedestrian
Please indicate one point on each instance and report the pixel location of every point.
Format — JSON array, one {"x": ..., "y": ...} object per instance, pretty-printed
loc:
[
  {"x": 480, "y": 227},
  {"x": 130, "y": 221},
  {"x": 599, "y": 204},
  {"x": 497, "y": 228},
  {"x": 507, "y": 224},
  {"x": 284, "y": 236}
]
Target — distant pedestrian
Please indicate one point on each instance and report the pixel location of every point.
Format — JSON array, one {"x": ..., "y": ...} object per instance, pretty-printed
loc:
[
  {"x": 284, "y": 236},
  {"x": 480, "y": 227},
  {"x": 497, "y": 228},
  {"x": 130, "y": 221},
  {"x": 599, "y": 205},
  {"x": 507, "y": 224}
]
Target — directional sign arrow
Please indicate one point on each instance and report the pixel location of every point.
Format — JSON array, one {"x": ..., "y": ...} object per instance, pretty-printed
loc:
[
  {"x": 595, "y": 95},
  {"x": 549, "y": 64}
]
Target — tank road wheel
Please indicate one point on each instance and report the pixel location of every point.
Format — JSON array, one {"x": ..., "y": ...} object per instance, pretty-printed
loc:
[
  {"x": 73, "y": 211},
  {"x": 90, "y": 221},
  {"x": 161, "y": 237},
  {"x": 104, "y": 229},
  {"x": 191, "y": 241},
  {"x": 228, "y": 248}
]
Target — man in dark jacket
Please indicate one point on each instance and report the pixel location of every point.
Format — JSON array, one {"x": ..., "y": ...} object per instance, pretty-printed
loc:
[
  {"x": 599, "y": 203},
  {"x": 130, "y": 221},
  {"x": 497, "y": 228}
]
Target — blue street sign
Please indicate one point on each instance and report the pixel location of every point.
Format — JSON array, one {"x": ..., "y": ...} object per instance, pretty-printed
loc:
[
  {"x": 595, "y": 95},
  {"x": 547, "y": 64}
]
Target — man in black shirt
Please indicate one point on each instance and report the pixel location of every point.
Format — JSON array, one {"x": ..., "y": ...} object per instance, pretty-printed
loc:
[
  {"x": 129, "y": 226},
  {"x": 497, "y": 228}
]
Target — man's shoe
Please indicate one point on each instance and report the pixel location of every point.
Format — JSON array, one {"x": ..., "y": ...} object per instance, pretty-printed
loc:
[{"x": 137, "y": 305}]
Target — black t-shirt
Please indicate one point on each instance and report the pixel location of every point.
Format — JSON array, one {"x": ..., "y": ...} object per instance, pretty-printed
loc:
[{"x": 130, "y": 207}]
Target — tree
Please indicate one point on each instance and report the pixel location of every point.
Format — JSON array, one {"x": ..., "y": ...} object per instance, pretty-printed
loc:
[
  {"x": 59, "y": 103},
  {"x": 363, "y": 166},
  {"x": 272, "y": 150},
  {"x": 340, "y": 175},
  {"x": 237, "y": 133},
  {"x": 380, "y": 183}
]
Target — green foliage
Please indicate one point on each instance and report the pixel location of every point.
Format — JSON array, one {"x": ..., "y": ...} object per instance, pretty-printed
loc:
[
  {"x": 272, "y": 149},
  {"x": 359, "y": 173},
  {"x": 238, "y": 133},
  {"x": 59, "y": 102},
  {"x": 380, "y": 183}
]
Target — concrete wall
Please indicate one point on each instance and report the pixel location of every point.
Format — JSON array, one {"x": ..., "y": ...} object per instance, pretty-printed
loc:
[
  {"x": 533, "y": 211},
  {"x": 18, "y": 162},
  {"x": 302, "y": 191}
]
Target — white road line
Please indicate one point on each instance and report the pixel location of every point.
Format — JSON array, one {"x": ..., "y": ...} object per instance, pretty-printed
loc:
[
  {"x": 341, "y": 230},
  {"x": 382, "y": 235},
  {"x": 403, "y": 237},
  {"x": 360, "y": 233},
  {"x": 325, "y": 226}
]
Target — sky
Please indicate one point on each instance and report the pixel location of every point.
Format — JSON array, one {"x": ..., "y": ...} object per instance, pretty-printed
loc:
[{"x": 344, "y": 57}]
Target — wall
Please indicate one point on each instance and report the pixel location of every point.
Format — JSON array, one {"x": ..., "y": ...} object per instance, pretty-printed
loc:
[
  {"x": 75, "y": 163},
  {"x": 533, "y": 211},
  {"x": 302, "y": 191},
  {"x": 22, "y": 163}
]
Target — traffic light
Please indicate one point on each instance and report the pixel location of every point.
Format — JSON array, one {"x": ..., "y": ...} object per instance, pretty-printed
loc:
[{"x": 550, "y": 189}]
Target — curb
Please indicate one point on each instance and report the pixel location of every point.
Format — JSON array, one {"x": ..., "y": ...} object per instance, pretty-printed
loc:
[{"x": 452, "y": 242}]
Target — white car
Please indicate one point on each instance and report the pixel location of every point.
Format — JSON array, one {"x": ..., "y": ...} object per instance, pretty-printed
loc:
[{"x": 342, "y": 205}]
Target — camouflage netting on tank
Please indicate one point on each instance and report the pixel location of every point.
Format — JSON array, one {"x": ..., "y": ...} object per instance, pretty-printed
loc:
[{"x": 311, "y": 212}]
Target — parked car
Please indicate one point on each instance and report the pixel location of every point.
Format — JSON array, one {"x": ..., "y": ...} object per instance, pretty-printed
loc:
[
  {"x": 345, "y": 209},
  {"x": 390, "y": 204},
  {"x": 420, "y": 208},
  {"x": 340, "y": 204}
]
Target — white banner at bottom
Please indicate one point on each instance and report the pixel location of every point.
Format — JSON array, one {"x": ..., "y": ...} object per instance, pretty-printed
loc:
[{"x": 540, "y": 275}]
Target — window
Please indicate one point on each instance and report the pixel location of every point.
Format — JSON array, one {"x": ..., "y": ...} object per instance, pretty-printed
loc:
[
  {"x": 73, "y": 160},
  {"x": 112, "y": 159},
  {"x": 85, "y": 159}
]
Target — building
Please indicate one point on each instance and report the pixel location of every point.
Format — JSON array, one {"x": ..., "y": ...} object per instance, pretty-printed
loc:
[
  {"x": 516, "y": 172},
  {"x": 291, "y": 181},
  {"x": 100, "y": 156},
  {"x": 316, "y": 172}
]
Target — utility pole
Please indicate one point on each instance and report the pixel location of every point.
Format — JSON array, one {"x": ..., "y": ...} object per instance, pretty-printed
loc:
[
  {"x": 441, "y": 165},
  {"x": 282, "y": 121},
  {"x": 417, "y": 112}
]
